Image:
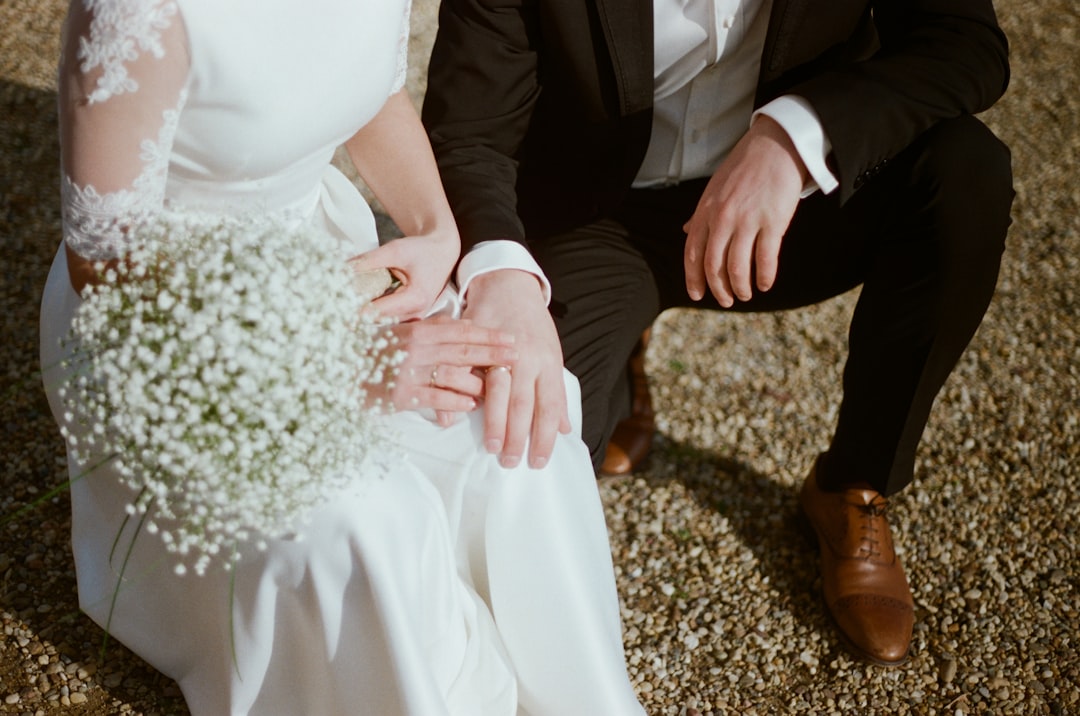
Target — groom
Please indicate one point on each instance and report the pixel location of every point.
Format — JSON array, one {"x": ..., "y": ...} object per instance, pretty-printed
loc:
[{"x": 745, "y": 155}]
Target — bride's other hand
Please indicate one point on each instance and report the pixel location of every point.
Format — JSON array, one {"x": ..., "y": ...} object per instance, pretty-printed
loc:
[
  {"x": 440, "y": 355},
  {"x": 392, "y": 154},
  {"x": 420, "y": 265}
]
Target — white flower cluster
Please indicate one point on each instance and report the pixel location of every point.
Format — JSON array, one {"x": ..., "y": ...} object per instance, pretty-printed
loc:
[{"x": 222, "y": 366}]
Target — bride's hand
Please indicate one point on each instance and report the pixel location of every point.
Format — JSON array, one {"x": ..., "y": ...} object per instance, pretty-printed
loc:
[
  {"x": 421, "y": 264},
  {"x": 438, "y": 369}
]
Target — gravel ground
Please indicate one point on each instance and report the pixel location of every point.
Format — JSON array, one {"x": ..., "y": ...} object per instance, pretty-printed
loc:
[{"x": 719, "y": 586}]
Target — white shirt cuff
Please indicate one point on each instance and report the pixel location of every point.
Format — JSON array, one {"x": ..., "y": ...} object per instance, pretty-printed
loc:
[
  {"x": 488, "y": 256},
  {"x": 802, "y": 124}
]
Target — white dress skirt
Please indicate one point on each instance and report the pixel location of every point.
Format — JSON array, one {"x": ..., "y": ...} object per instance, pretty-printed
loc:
[{"x": 441, "y": 585}]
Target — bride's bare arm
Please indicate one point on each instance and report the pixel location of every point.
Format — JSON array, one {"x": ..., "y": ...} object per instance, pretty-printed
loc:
[{"x": 393, "y": 156}]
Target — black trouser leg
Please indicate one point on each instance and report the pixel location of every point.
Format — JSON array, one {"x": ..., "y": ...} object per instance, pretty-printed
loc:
[
  {"x": 925, "y": 237},
  {"x": 944, "y": 215},
  {"x": 603, "y": 297},
  {"x": 610, "y": 280}
]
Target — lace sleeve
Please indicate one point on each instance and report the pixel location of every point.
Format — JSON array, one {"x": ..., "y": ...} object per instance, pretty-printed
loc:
[
  {"x": 122, "y": 78},
  {"x": 403, "y": 52}
]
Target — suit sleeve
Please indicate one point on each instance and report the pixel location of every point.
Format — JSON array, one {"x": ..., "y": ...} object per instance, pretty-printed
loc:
[
  {"x": 482, "y": 89},
  {"x": 938, "y": 59}
]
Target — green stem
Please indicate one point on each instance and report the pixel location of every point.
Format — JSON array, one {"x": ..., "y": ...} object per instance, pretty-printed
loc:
[
  {"x": 123, "y": 525},
  {"x": 232, "y": 614},
  {"x": 119, "y": 583}
]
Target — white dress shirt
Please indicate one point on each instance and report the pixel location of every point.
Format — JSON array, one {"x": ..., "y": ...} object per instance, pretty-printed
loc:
[{"x": 706, "y": 62}]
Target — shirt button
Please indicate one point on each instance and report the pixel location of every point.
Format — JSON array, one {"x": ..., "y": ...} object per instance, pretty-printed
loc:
[{"x": 727, "y": 22}]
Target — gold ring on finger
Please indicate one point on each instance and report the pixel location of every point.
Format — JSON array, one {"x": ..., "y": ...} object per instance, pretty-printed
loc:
[{"x": 491, "y": 368}]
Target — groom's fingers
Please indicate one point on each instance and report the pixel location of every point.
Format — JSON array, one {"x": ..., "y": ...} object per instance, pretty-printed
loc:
[
  {"x": 549, "y": 418},
  {"x": 519, "y": 419},
  {"x": 694, "y": 258},
  {"x": 497, "y": 383}
]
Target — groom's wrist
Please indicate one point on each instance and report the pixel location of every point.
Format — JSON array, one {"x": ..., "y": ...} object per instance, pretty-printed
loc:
[{"x": 491, "y": 258}]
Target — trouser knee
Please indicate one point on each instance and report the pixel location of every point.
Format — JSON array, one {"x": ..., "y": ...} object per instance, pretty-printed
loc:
[
  {"x": 967, "y": 174},
  {"x": 603, "y": 296}
]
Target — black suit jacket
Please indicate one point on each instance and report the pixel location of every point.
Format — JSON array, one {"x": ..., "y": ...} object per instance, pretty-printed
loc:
[{"x": 539, "y": 111}]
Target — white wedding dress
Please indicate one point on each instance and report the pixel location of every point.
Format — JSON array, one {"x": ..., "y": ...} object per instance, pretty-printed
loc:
[{"x": 447, "y": 585}]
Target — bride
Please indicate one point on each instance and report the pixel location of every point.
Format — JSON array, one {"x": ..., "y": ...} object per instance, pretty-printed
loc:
[{"x": 453, "y": 585}]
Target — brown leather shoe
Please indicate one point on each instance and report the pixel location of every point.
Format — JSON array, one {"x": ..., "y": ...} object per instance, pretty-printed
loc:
[
  {"x": 633, "y": 437},
  {"x": 866, "y": 592}
]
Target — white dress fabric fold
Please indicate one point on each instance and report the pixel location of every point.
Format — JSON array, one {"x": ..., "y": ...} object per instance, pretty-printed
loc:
[{"x": 436, "y": 584}]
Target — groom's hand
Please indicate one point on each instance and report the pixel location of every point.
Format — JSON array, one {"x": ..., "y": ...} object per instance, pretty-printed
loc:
[
  {"x": 735, "y": 232},
  {"x": 528, "y": 402}
]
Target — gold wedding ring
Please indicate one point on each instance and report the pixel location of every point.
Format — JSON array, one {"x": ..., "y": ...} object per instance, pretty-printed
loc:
[{"x": 496, "y": 367}]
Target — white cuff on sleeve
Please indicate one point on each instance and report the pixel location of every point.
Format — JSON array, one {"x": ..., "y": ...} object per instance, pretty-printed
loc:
[
  {"x": 488, "y": 256},
  {"x": 802, "y": 124}
]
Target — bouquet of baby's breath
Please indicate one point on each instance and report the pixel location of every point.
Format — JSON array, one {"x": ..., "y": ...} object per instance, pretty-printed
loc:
[{"x": 221, "y": 364}]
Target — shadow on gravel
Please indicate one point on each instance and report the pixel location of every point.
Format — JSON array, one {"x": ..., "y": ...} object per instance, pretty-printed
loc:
[
  {"x": 38, "y": 600},
  {"x": 764, "y": 516}
]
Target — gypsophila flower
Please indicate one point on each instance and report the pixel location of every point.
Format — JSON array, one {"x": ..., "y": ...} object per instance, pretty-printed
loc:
[{"x": 222, "y": 365}]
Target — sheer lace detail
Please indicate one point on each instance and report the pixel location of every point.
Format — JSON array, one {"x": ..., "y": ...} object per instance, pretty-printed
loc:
[
  {"x": 94, "y": 224},
  {"x": 403, "y": 53},
  {"x": 119, "y": 32}
]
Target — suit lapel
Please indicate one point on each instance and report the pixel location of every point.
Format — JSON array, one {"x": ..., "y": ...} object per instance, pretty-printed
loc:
[
  {"x": 628, "y": 31},
  {"x": 784, "y": 21}
]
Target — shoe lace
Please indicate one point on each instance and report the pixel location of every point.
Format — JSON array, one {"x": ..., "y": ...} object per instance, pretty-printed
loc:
[{"x": 870, "y": 542}]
